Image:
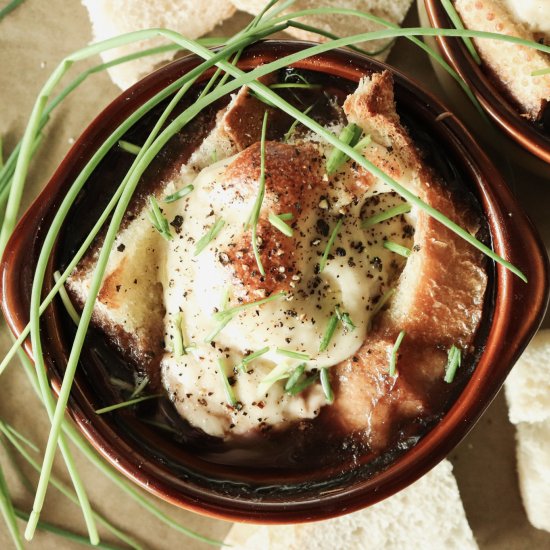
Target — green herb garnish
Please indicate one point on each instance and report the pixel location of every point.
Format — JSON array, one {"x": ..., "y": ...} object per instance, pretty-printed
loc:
[
  {"x": 294, "y": 377},
  {"x": 345, "y": 319},
  {"x": 230, "y": 313},
  {"x": 160, "y": 223},
  {"x": 333, "y": 235},
  {"x": 397, "y": 248},
  {"x": 131, "y": 148},
  {"x": 184, "y": 191},
  {"x": 228, "y": 390},
  {"x": 454, "y": 361},
  {"x": 362, "y": 143},
  {"x": 402, "y": 208},
  {"x": 325, "y": 384},
  {"x": 350, "y": 135},
  {"x": 179, "y": 346},
  {"x": 211, "y": 234},
  {"x": 393, "y": 356},
  {"x": 9, "y": 8},
  {"x": 279, "y": 224},
  {"x": 69, "y": 307},
  {"x": 249, "y": 358},
  {"x": 128, "y": 403},
  {"x": 457, "y": 22},
  {"x": 299, "y": 387},
  {"x": 295, "y": 123},
  {"x": 293, "y": 354},
  {"x": 541, "y": 72},
  {"x": 304, "y": 85},
  {"x": 329, "y": 332}
]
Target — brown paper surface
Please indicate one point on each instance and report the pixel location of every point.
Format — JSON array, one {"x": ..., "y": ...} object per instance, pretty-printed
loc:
[{"x": 33, "y": 39}]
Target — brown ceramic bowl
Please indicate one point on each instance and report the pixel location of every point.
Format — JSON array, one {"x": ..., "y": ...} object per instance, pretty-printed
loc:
[
  {"x": 533, "y": 137},
  {"x": 256, "y": 494}
]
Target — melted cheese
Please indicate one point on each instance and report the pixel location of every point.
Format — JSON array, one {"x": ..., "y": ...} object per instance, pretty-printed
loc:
[{"x": 194, "y": 285}]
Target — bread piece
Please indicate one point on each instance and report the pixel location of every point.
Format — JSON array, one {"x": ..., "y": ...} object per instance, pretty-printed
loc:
[
  {"x": 533, "y": 455},
  {"x": 527, "y": 386},
  {"x": 511, "y": 63},
  {"x": 341, "y": 25},
  {"x": 427, "y": 515},
  {"x": 113, "y": 17},
  {"x": 438, "y": 298}
]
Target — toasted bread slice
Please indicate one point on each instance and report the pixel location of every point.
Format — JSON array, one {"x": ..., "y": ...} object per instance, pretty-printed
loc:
[{"x": 512, "y": 64}]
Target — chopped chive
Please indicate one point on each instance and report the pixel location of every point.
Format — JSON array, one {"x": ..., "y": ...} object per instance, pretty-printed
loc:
[
  {"x": 301, "y": 386},
  {"x": 397, "y": 210},
  {"x": 212, "y": 233},
  {"x": 304, "y": 85},
  {"x": 122, "y": 384},
  {"x": 280, "y": 372},
  {"x": 292, "y": 128},
  {"x": 397, "y": 248},
  {"x": 454, "y": 361},
  {"x": 329, "y": 332},
  {"x": 179, "y": 348},
  {"x": 249, "y": 358},
  {"x": 541, "y": 72},
  {"x": 279, "y": 224},
  {"x": 286, "y": 216},
  {"x": 294, "y": 377},
  {"x": 393, "y": 356},
  {"x": 9, "y": 7},
  {"x": 214, "y": 156},
  {"x": 140, "y": 387},
  {"x": 184, "y": 191},
  {"x": 129, "y": 147},
  {"x": 228, "y": 390},
  {"x": 217, "y": 330},
  {"x": 362, "y": 143},
  {"x": 325, "y": 384},
  {"x": 457, "y": 22},
  {"x": 333, "y": 235},
  {"x": 255, "y": 214},
  {"x": 222, "y": 315},
  {"x": 69, "y": 307},
  {"x": 345, "y": 319},
  {"x": 297, "y": 76},
  {"x": 160, "y": 223},
  {"x": 225, "y": 298},
  {"x": 128, "y": 403},
  {"x": 350, "y": 135},
  {"x": 382, "y": 301},
  {"x": 293, "y": 354}
]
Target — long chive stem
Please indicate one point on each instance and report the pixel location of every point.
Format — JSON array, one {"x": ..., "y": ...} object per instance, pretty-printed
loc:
[
  {"x": 15, "y": 463},
  {"x": 69, "y": 307},
  {"x": 293, "y": 354},
  {"x": 126, "y": 404},
  {"x": 9, "y": 8},
  {"x": 295, "y": 123},
  {"x": 394, "y": 352},
  {"x": 230, "y": 313},
  {"x": 397, "y": 210},
  {"x": 332, "y": 238},
  {"x": 6, "y": 507},
  {"x": 397, "y": 248},
  {"x": 65, "y": 533},
  {"x": 457, "y": 22}
]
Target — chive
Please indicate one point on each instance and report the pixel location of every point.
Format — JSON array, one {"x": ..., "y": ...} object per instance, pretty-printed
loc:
[
  {"x": 179, "y": 346},
  {"x": 285, "y": 217},
  {"x": 382, "y": 301},
  {"x": 214, "y": 156},
  {"x": 9, "y": 7},
  {"x": 301, "y": 386},
  {"x": 329, "y": 332},
  {"x": 331, "y": 240},
  {"x": 325, "y": 384},
  {"x": 6, "y": 507},
  {"x": 397, "y": 210},
  {"x": 69, "y": 307},
  {"x": 259, "y": 97},
  {"x": 183, "y": 192},
  {"x": 212, "y": 233},
  {"x": 1, "y": 153},
  {"x": 228, "y": 390},
  {"x": 457, "y": 22},
  {"x": 230, "y": 313},
  {"x": 279, "y": 224},
  {"x": 295, "y": 123},
  {"x": 280, "y": 372},
  {"x": 393, "y": 356},
  {"x": 350, "y": 135},
  {"x": 217, "y": 330},
  {"x": 541, "y": 72},
  {"x": 140, "y": 387},
  {"x": 225, "y": 298},
  {"x": 160, "y": 223},
  {"x": 345, "y": 319},
  {"x": 454, "y": 361},
  {"x": 304, "y": 85},
  {"x": 129, "y": 147},
  {"x": 397, "y": 248},
  {"x": 65, "y": 533},
  {"x": 293, "y": 354},
  {"x": 21, "y": 437},
  {"x": 122, "y": 384},
  {"x": 128, "y": 403},
  {"x": 15, "y": 464},
  {"x": 362, "y": 143},
  {"x": 255, "y": 214},
  {"x": 294, "y": 377},
  {"x": 249, "y": 358}
]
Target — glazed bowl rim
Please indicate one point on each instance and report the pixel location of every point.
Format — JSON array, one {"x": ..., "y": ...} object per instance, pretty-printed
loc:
[{"x": 518, "y": 307}]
